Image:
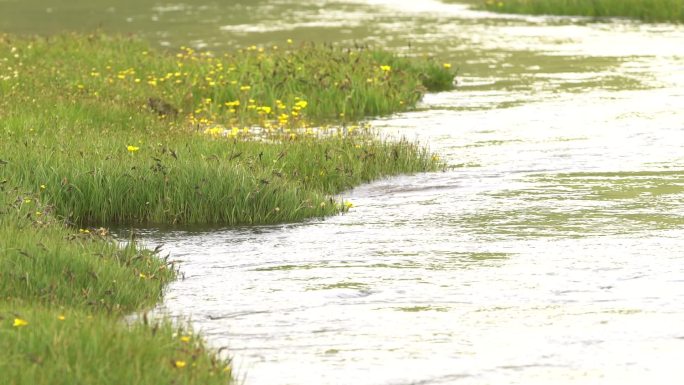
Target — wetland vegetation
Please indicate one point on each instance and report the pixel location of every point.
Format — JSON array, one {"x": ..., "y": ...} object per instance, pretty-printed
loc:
[
  {"x": 646, "y": 10},
  {"x": 100, "y": 130}
]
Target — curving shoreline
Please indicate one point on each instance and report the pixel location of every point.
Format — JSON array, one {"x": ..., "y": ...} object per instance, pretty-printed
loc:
[{"x": 100, "y": 130}]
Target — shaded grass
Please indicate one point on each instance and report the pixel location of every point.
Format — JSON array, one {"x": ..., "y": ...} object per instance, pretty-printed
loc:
[{"x": 646, "y": 10}]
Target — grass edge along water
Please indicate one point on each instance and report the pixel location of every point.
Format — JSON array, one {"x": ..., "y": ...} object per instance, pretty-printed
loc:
[
  {"x": 645, "y": 10},
  {"x": 99, "y": 130}
]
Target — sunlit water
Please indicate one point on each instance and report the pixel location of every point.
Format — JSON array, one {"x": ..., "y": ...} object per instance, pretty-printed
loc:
[{"x": 553, "y": 253}]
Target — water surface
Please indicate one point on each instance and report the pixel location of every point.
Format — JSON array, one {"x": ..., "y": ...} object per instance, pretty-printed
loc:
[{"x": 552, "y": 253}]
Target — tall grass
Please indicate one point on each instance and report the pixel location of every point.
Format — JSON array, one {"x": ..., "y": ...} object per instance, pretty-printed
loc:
[{"x": 646, "y": 10}]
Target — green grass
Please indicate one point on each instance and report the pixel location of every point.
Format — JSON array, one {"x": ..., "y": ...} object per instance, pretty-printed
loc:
[
  {"x": 62, "y": 296},
  {"x": 45, "y": 262},
  {"x": 83, "y": 128},
  {"x": 98, "y": 130},
  {"x": 646, "y": 10},
  {"x": 67, "y": 346}
]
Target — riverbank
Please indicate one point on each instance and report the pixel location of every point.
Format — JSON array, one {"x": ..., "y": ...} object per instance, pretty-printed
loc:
[
  {"x": 646, "y": 10},
  {"x": 99, "y": 130}
]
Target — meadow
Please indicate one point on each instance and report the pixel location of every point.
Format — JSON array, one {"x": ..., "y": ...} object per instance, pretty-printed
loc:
[
  {"x": 100, "y": 130},
  {"x": 646, "y": 10}
]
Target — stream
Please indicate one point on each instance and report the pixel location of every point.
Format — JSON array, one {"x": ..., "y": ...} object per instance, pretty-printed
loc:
[{"x": 552, "y": 252}]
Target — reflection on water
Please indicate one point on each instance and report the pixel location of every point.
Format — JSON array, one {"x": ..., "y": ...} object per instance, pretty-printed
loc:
[{"x": 551, "y": 255}]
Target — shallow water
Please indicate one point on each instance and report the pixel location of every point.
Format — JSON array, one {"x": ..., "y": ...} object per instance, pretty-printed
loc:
[{"x": 551, "y": 254}]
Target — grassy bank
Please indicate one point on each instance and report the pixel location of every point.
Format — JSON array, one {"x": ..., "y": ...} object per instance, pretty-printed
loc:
[
  {"x": 99, "y": 130},
  {"x": 646, "y": 10},
  {"x": 107, "y": 131},
  {"x": 62, "y": 296}
]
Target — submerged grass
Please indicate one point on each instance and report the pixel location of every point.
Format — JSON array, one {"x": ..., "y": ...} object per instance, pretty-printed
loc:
[
  {"x": 99, "y": 130},
  {"x": 646, "y": 10}
]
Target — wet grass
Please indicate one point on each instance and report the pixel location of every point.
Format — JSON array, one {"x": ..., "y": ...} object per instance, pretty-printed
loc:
[
  {"x": 99, "y": 130},
  {"x": 646, "y": 10}
]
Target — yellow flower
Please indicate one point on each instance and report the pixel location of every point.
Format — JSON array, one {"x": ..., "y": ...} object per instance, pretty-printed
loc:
[
  {"x": 141, "y": 275},
  {"x": 245, "y": 88},
  {"x": 43, "y": 187},
  {"x": 18, "y": 322},
  {"x": 180, "y": 364},
  {"x": 185, "y": 339},
  {"x": 386, "y": 68},
  {"x": 447, "y": 65},
  {"x": 132, "y": 148},
  {"x": 61, "y": 317},
  {"x": 289, "y": 41},
  {"x": 348, "y": 205},
  {"x": 264, "y": 110}
]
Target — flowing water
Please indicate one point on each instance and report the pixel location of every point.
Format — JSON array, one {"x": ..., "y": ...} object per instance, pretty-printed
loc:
[{"x": 552, "y": 253}]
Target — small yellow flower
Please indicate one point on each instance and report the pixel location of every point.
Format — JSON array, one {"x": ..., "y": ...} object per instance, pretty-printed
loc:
[
  {"x": 43, "y": 187},
  {"x": 245, "y": 88},
  {"x": 180, "y": 364},
  {"x": 386, "y": 68},
  {"x": 61, "y": 317},
  {"x": 289, "y": 41},
  {"x": 185, "y": 339},
  {"x": 141, "y": 275},
  {"x": 18, "y": 322},
  {"x": 447, "y": 65},
  {"x": 348, "y": 205},
  {"x": 132, "y": 148}
]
